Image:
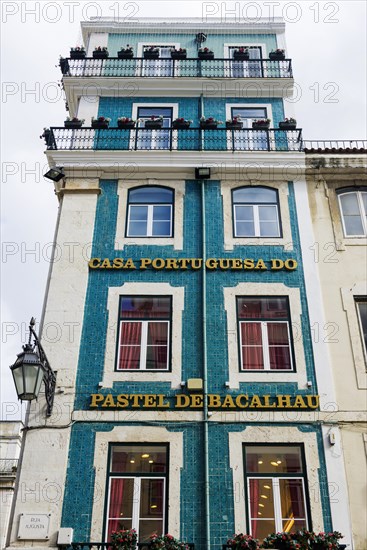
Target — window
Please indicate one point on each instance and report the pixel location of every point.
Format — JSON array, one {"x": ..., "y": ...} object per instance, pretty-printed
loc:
[
  {"x": 353, "y": 208},
  {"x": 264, "y": 328},
  {"x": 137, "y": 493},
  {"x": 246, "y": 68},
  {"x": 255, "y": 212},
  {"x": 361, "y": 304},
  {"x": 144, "y": 333},
  {"x": 154, "y": 139},
  {"x": 163, "y": 66},
  {"x": 248, "y": 139},
  {"x": 275, "y": 483},
  {"x": 150, "y": 212}
]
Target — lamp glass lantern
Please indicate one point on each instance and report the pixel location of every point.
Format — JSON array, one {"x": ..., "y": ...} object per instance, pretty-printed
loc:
[
  {"x": 54, "y": 174},
  {"x": 28, "y": 374}
]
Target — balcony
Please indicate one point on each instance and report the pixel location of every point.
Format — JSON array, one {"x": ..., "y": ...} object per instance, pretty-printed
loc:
[
  {"x": 169, "y": 139},
  {"x": 110, "y": 546},
  {"x": 138, "y": 67}
]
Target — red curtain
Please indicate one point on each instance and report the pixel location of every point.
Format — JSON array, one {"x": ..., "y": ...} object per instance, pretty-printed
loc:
[
  {"x": 116, "y": 495},
  {"x": 157, "y": 345},
  {"x": 130, "y": 339},
  {"x": 279, "y": 346},
  {"x": 252, "y": 353}
]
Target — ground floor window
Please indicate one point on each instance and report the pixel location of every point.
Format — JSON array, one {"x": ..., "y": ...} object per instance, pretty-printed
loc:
[
  {"x": 137, "y": 489},
  {"x": 276, "y": 489}
]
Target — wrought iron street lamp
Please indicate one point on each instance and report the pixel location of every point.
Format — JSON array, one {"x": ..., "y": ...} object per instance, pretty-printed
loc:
[{"x": 31, "y": 368}]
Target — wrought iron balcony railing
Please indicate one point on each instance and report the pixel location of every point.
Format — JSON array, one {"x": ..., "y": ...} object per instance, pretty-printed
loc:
[
  {"x": 110, "y": 546},
  {"x": 166, "y": 68},
  {"x": 336, "y": 146},
  {"x": 8, "y": 466},
  {"x": 190, "y": 139}
]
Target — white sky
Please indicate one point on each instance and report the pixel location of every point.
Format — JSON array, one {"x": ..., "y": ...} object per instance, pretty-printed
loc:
[{"x": 325, "y": 40}]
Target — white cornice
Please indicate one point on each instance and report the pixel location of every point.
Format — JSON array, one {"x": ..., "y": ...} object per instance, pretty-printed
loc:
[
  {"x": 116, "y": 164},
  {"x": 76, "y": 87},
  {"x": 182, "y": 26}
]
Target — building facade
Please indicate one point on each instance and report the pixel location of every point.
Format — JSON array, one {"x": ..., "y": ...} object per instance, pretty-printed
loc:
[{"x": 192, "y": 394}]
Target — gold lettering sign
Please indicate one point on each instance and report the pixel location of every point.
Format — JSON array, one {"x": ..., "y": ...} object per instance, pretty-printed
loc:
[
  {"x": 174, "y": 264},
  {"x": 196, "y": 401}
]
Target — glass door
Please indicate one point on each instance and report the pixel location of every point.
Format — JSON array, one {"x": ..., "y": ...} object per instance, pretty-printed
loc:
[
  {"x": 156, "y": 138},
  {"x": 248, "y": 139},
  {"x": 247, "y": 68}
]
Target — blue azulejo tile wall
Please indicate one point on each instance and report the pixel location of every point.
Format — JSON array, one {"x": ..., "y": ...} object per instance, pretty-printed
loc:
[
  {"x": 93, "y": 341},
  {"x": 81, "y": 493}
]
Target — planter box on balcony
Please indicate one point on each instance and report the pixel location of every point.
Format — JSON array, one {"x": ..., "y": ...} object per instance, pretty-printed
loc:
[
  {"x": 241, "y": 56},
  {"x": 77, "y": 54},
  {"x": 178, "y": 55},
  {"x": 125, "y": 55},
  {"x": 73, "y": 124},
  {"x": 180, "y": 125},
  {"x": 256, "y": 126},
  {"x": 100, "y": 125},
  {"x": 153, "y": 124},
  {"x": 275, "y": 55},
  {"x": 234, "y": 125},
  {"x": 151, "y": 55},
  {"x": 208, "y": 125},
  {"x": 206, "y": 55},
  {"x": 287, "y": 125},
  {"x": 127, "y": 125},
  {"x": 100, "y": 55}
]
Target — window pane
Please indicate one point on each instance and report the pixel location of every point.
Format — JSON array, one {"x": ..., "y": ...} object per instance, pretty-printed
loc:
[
  {"x": 280, "y": 358},
  {"x": 151, "y": 498},
  {"x": 261, "y": 528},
  {"x": 252, "y": 358},
  {"x": 245, "y": 229},
  {"x": 364, "y": 201},
  {"x": 161, "y": 229},
  {"x": 273, "y": 459},
  {"x": 261, "y": 498},
  {"x": 130, "y": 338},
  {"x": 117, "y": 525},
  {"x": 292, "y": 498},
  {"x": 278, "y": 333},
  {"x": 138, "y": 213},
  {"x": 121, "y": 504},
  {"x": 353, "y": 225},
  {"x": 137, "y": 229},
  {"x": 265, "y": 308},
  {"x": 249, "y": 112},
  {"x": 268, "y": 213},
  {"x": 244, "y": 213},
  {"x": 147, "y": 527},
  {"x": 146, "y": 307},
  {"x": 161, "y": 213},
  {"x": 350, "y": 204},
  {"x": 362, "y": 310},
  {"x": 139, "y": 459},
  {"x": 254, "y": 195},
  {"x": 157, "y": 346},
  {"x": 151, "y": 195},
  {"x": 269, "y": 229},
  {"x": 251, "y": 334}
]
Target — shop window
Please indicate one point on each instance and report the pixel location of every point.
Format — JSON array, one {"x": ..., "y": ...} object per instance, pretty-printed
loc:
[
  {"x": 353, "y": 209},
  {"x": 361, "y": 303},
  {"x": 137, "y": 489},
  {"x": 256, "y": 212},
  {"x": 265, "y": 334},
  {"x": 275, "y": 484},
  {"x": 150, "y": 212}
]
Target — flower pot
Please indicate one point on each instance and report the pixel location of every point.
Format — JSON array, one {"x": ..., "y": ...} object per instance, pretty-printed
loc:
[
  {"x": 275, "y": 55},
  {"x": 73, "y": 124},
  {"x": 125, "y": 55},
  {"x": 206, "y": 55},
  {"x": 234, "y": 125},
  {"x": 100, "y": 125},
  {"x": 256, "y": 126},
  {"x": 128, "y": 125},
  {"x": 153, "y": 124},
  {"x": 180, "y": 125},
  {"x": 287, "y": 125},
  {"x": 178, "y": 55},
  {"x": 208, "y": 125},
  {"x": 241, "y": 56},
  {"x": 100, "y": 55},
  {"x": 151, "y": 55},
  {"x": 77, "y": 54}
]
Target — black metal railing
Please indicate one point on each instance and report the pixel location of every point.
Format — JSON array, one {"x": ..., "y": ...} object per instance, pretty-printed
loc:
[
  {"x": 229, "y": 547},
  {"x": 110, "y": 546},
  {"x": 168, "y": 68},
  {"x": 189, "y": 139},
  {"x": 335, "y": 146},
  {"x": 8, "y": 466}
]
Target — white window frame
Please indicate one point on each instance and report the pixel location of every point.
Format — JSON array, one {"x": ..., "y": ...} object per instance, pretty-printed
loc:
[
  {"x": 134, "y": 115},
  {"x": 140, "y": 66},
  {"x": 149, "y": 232},
  {"x": 277, "y": 506},
  {"x": 136, "y": 501},
  {"x": 227, "y": 49},
  {"x": 256, "y": 218},
  {"x": 265, "y": 345},
  {"x": 362, "y": 212},
  {"x": 269, "y": 114},
  {"x": 361, "y": 300},
  {"x": 143, "y": 344}
]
